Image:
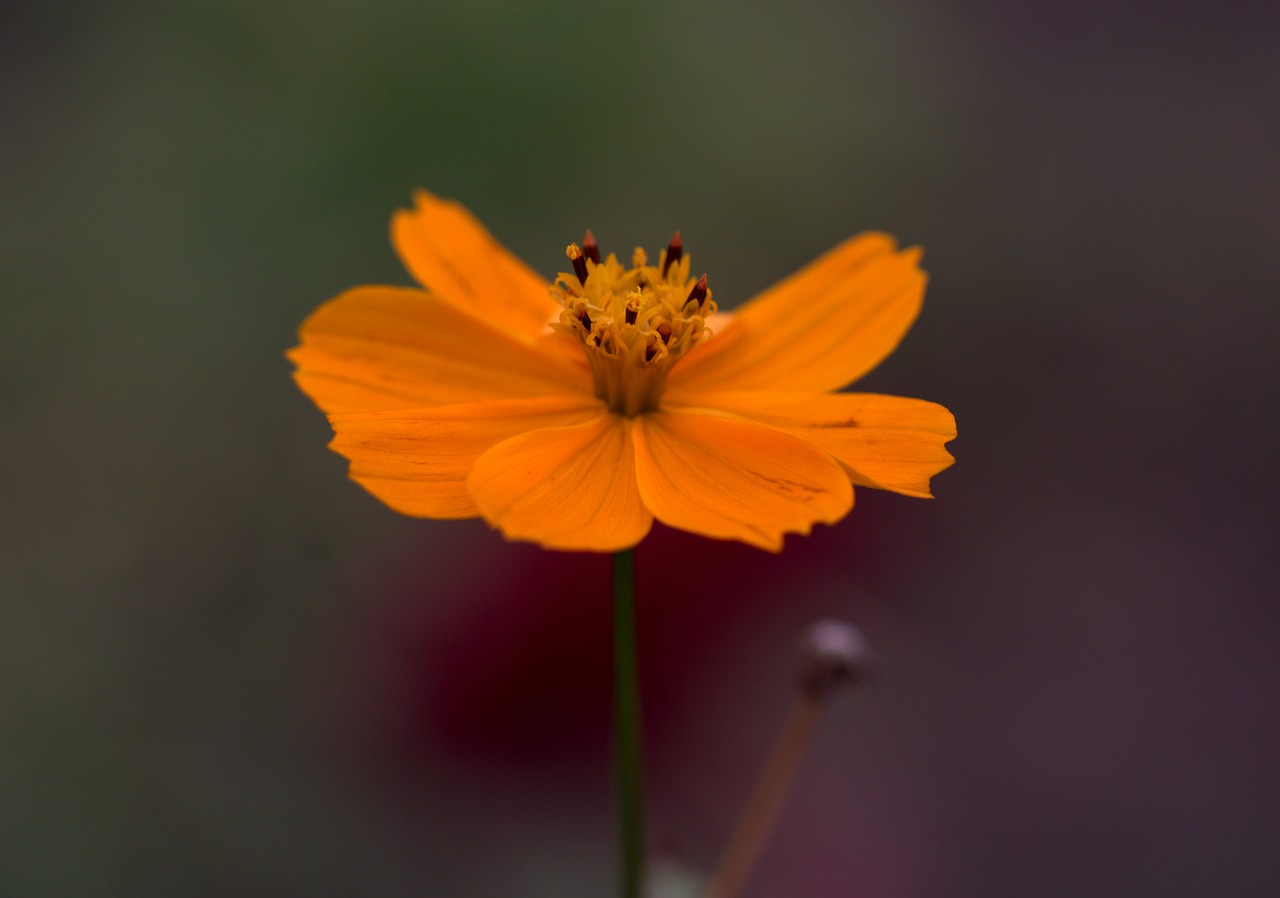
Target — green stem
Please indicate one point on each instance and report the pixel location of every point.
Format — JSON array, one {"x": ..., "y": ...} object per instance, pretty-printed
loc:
[{"x": 626, "y": 731}]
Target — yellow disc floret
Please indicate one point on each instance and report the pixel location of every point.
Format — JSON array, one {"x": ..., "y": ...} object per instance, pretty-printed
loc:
[{"x": 634, "y": 323}]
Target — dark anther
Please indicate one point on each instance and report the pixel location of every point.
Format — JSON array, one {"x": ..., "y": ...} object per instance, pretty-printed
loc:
[
  {"x": 650, "y": 351},
  {"x": 584, "y": 319},
  {"x": 664, "y": 331},
  {"x": 574, "y": 252},
  {"x": 630, "y": 315},
  {"x": 675, "y": 249},
  {"x": 698, "y": 294},
  {"x": 590, "y": 248}
]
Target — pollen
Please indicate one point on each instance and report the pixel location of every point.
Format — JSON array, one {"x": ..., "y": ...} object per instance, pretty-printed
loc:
[{"x": 634, "y": 323}]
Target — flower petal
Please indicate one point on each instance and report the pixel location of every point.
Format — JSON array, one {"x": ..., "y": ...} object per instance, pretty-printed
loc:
[
  {"x": 564, "y": 487},
  {"x": 728, "y": 478},
  {"x": 565, "y": 349},
  {"x": 417, "y": 460},
  {"x": 377, "y": 348},
  {"x": 821, "y": 328},
  {"x": 888, "y": 442},
  {"x": 450, "y": 252}
]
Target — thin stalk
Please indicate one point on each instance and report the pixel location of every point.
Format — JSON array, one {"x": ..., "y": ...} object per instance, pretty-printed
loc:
[
  {"x": 626, "y": 731},
  {"x": 762, "y": 810},
  {"x": 832, "y": 654}
]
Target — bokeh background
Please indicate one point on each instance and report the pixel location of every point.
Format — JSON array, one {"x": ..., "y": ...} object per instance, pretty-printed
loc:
[{"x": 225, "y": 670}]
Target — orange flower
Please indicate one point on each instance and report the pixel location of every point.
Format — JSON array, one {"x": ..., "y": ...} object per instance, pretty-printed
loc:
[{"x": 572, "y": 414}]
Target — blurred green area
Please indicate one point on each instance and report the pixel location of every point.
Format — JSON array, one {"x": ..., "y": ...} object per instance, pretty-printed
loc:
[{"x": 185, "y": 569}]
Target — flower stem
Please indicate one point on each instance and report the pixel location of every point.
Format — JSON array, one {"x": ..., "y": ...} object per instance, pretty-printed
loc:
[
  {"x": 762, "y": 810},
  {"x": 626, "y": 732},
  {"x": 832, "y": 654}
]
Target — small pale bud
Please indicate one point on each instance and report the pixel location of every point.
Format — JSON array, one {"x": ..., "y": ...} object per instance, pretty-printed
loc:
[{"x": 833, "y": 653}]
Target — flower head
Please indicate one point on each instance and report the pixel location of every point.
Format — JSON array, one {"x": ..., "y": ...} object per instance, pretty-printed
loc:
[
  {"x": 572, "y": 414},
  {"x": 634, "y": 323}
]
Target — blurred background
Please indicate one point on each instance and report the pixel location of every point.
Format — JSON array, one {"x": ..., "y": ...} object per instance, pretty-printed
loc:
[{"x": 226, "y": 670}]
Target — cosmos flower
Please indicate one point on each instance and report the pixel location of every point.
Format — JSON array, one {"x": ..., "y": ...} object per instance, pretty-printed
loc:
[{"x": 572, "y": 414}]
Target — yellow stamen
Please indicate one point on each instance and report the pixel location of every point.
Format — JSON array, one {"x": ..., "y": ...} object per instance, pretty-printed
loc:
[{"x": 634, "y": 323}]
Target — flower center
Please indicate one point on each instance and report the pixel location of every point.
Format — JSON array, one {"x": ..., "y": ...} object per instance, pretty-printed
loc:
[{"x": 634, "y": 323}]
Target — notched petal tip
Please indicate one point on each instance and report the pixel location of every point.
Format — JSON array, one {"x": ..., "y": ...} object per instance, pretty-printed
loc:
[
  {"x": 417, "y": 460},
  {"x": 377, "y": 348},
  {"x": 822, "y": 327},
  {"x": 449, "y": 251},
  {"x": 893, "y": 443},
  {"x": 724, "y": 477}
]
